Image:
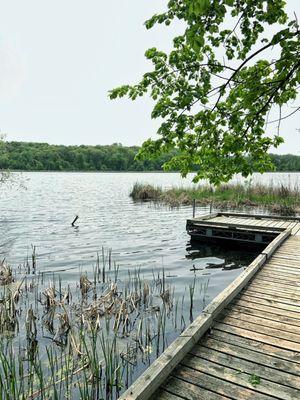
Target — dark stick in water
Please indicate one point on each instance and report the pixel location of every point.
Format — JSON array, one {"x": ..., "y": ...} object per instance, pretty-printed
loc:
[{"x": 75, "y": 219}]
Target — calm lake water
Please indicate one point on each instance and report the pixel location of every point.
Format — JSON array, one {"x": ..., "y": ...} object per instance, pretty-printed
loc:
[{"x": 140, "y": 235}]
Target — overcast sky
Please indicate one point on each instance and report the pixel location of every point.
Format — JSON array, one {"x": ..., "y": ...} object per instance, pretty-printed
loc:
[{"x": 59, "y": 58}]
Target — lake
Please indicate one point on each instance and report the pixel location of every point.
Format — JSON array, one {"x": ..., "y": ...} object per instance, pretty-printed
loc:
[
  {"x": 144, "y": 237},
  {"x": 140, "y": 235}
]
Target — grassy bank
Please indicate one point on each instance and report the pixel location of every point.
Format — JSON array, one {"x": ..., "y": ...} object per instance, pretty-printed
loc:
[{"x": 281, "y": 200}]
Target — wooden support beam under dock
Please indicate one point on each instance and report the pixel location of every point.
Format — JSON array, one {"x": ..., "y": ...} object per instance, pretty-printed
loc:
[{"x": 246, "y": 343}]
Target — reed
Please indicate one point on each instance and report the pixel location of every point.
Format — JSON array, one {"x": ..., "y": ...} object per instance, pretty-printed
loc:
[
  {"x": 282, "y": 199},
  {"x": 88, "y": 340}
]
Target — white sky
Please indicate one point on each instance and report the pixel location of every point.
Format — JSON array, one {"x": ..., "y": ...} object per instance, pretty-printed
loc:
[{"x": 59, "y": 58}]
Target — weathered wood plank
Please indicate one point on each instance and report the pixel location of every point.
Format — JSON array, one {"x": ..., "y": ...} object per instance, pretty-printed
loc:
[
  {"x": 289, "y": 340},
  {"x": 291, "y": 292},
  {"x": 273, "y": 303},
  {"x": 288, "y": 285},
  {"x": 278, "y": 224},
  {"x": 289, "y": 258},
  {"x": 284, "y": 263},
  {"x": 164, "y": 395},
  {"x": 271, "y": 222},
  {"x": 249, "y": 221},
  {"x": 202, "y": 218},
  {"x": 295, "y": 228},
  {"x": 261, "y": 337},
  {"x": 272, "y": 310},
  {"x": 275, "y": 288},
  {"x": 288, "y": 332},
  {"x": 289, "y": 357},
  {"x": 233, "y": 225},
  {"x": 238, "y": 377},
  {"x": 278, "y": 274},
  {"x": 216, "y": 354},
  {"x": 292, "y": 243},
  {"x": 217, "y": 383},
  {"x": 282, "y": 268},
  {"x": 268, "y": 290},
  {"x": 291, "y": 324},
  {"x": 188, "y": 390},
  {"x": 291, "y": 255},
  {"x": 293, "y": 275},
  {"x": 293, "y": 285},
  {"x": 261, "y": 216},
  {"x": 237, "y": 348},
  {"x": 289, "y": 249},
  {"x": 289, "y": 225},
  {"x": 272, "y": 296},
  {"x": 219, "y": 219}
]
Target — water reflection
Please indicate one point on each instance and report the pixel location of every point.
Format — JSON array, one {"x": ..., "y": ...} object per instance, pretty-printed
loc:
[{"x": 225, "y": 256}]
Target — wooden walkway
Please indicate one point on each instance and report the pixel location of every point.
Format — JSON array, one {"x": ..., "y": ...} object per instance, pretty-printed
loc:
[
  {"x": 246, "y": 343},
  {"x": 241, "y": 228}
]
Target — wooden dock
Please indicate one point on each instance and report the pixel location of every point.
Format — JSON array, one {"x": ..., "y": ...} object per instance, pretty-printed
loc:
[
  {"x": 246, "y": 343},
  {"x": 242, "y": 228}
]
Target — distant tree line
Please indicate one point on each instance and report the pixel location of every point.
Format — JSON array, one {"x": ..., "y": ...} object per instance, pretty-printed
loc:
[{"x": 29, "y": 156}]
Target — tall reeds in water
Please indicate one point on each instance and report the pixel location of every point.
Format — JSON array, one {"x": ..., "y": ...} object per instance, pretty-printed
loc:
[
  {"x": 282, "y": 199},
  {"x": 86, "y": 341}
]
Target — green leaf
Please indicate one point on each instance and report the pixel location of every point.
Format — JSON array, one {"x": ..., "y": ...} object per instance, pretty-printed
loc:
[{"x": 213, "y": 103}]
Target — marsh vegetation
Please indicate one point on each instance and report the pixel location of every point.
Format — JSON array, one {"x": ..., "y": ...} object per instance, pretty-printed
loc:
[
  {"x": 282, "y": 199},
  {"x": 89, "y": 340}
]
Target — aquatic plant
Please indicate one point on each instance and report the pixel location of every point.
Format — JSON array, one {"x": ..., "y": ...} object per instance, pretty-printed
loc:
[
  {"x": 88, "y": 340},
  {"x": 284, "y": 200}
]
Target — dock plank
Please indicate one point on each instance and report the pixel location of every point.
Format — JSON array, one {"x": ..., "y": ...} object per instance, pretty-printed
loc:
[
  {"x": 223, "y": 370},
  {"x": 177, "y": 385},
  {"x": 219, "y": 355},
  {"x": 282, "y": 359},
  {"x": 251, "y": 330},
  {"x": 257, "y": 305},
  {"x": 202, "y": 380},
  {"x": 282, "y": 296},
  {"x": 291, "y": 324},
  {"x": 236, "y": 348},
  {"x": 283, "y": 338}
]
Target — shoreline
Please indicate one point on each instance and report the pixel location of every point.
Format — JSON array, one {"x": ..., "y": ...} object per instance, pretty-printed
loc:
[{"x": 280, "y": 200}]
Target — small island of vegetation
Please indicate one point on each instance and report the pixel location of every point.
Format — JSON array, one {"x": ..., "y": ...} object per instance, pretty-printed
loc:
[{"x": 281, "y": 200}]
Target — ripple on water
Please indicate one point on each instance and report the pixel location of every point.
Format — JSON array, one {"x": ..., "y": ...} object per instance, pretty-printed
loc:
[{"x": 140, "y": 235}]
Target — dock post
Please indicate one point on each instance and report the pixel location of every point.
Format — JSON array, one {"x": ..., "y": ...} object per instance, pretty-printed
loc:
[{"x": 194, "y": 208}]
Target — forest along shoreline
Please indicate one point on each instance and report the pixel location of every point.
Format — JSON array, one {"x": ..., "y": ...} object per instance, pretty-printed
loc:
[
  {"x": 32, "y": 156},
  {"x": 282, "y": 200}
]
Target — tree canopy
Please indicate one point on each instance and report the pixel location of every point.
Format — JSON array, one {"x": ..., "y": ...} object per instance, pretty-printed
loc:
[
  {"x": 30, "y": 156},
  {"x": 235, "y": 65}
]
